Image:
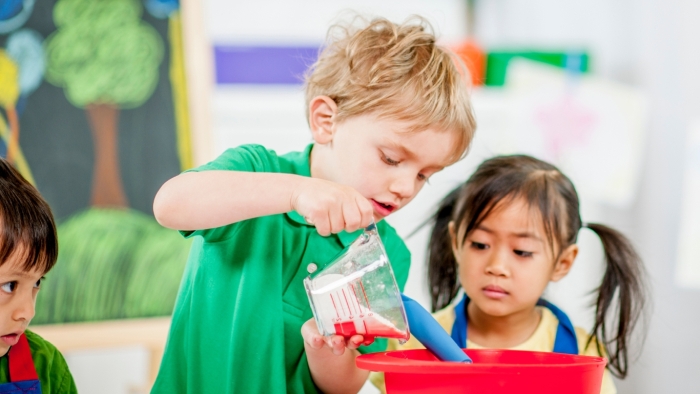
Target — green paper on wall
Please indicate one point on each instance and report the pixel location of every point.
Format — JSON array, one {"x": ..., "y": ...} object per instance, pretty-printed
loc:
[{"x": 497, "y": 62}]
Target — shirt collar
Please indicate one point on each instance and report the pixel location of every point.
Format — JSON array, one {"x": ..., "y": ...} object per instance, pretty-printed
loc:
[
  {"x": 302, "y": 166},
  {"x": 301, "y": 161}
]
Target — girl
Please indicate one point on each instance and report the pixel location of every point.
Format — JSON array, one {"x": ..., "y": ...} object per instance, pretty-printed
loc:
[{"x": 502, "y": 237}]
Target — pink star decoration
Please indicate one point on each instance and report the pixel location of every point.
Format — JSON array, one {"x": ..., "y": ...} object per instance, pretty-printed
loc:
[{"x": 564, "y": 123}]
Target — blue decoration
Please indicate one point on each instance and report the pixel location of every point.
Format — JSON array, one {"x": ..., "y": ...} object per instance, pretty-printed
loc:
[
  {"x": 162, "y": 9},
  {"x": 9, "y": 9},
  {"x": 14, "y": 13},
  {"x": 25, "y": 48}
]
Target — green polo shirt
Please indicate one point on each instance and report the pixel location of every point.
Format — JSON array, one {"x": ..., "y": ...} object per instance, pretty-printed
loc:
[
  {"x": 51, "y": 367},
  {"x": 236, "y": 327}
]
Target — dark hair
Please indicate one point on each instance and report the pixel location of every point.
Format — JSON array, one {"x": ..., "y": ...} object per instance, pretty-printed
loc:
[
  {"x": 542, "y": 185},
  {"x": 26, "y": 222}
]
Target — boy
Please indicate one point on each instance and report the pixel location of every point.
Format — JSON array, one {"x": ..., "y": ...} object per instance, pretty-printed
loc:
[
  {"x": 387, "y": 108},
  {"x": 28, "y": 250}
]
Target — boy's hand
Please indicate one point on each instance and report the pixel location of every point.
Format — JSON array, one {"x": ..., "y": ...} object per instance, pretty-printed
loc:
[
  {"x": 336, "y": 343},
  {"x": 332, "y": 368},
  {"x": 331, "y": 207}
]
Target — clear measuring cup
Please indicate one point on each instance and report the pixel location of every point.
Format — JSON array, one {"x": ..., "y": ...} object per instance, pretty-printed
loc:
[{"x": 356, "y": 294}]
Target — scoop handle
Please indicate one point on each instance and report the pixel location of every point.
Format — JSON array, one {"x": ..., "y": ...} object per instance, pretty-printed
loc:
[{"x": 429, "y": 332}]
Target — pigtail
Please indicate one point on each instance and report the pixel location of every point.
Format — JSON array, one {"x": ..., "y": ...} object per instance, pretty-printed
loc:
[
  {"x": 442, "y": 266},
  {"x": 624, "y": 278}
]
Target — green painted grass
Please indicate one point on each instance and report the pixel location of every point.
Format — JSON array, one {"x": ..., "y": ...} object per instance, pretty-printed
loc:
[{"x": 112, "y": 264}]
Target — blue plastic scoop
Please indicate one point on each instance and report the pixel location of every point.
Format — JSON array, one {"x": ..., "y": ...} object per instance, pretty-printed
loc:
[{"x": 429, "y": 332}]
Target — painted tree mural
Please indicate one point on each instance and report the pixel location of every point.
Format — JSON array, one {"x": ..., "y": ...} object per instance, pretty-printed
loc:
[
  {"x": 9, "y": 93},
  {"x": 101, "y": 79},
  {"x": 106, "y": 58},
  {"x": 21, "y": 72}
]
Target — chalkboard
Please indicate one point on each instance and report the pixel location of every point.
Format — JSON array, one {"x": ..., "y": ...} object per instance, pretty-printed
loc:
[{"x": 93, "y": 111}]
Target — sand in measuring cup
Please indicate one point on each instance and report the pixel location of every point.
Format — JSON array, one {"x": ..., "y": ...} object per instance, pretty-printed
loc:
[{"x": 370, "y": 326}]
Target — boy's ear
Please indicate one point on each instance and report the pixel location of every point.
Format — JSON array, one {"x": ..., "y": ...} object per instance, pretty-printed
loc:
[
  {"x": 564, "y": 263},
  {"x": 322, "y": 111},
  {"x": 453, "y": 240}
]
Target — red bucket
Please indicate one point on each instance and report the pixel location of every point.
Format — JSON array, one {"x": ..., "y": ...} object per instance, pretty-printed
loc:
[{"x": 493, "y": 371}]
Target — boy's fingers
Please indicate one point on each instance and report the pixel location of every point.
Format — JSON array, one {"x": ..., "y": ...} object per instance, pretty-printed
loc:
[
  {"x": 316, "y": 342},
  {"x": 335, "y": 215},
  {"x": 355, "y": 341},
  {"x": 338, "y": 345},
  {"x": 311, "y": 336},
  {"x": 366, "y": 211},
  {"x": 323, "y": 225},
  {"x": 352, "y": 217}
]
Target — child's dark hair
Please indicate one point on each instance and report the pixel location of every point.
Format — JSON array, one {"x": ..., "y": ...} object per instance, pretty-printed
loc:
[
  {"x": 543, "y": 186},
  {"x": 26, "y": 223}
]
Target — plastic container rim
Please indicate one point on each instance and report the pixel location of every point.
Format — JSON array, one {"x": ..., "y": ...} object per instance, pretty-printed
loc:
[{"x": 387, "y": 362}]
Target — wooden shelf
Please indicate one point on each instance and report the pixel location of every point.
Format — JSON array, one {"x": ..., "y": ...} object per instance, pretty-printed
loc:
[{"x": 150, "y": 333}]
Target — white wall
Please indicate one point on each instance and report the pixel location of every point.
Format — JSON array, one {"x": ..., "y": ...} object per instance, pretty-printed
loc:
[
  {"x": 668, "y": 57},
  {"x": 306, "y": 21}
]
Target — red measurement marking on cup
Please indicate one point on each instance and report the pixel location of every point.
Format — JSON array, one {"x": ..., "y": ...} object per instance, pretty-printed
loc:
[
  {"x": 340, "y": 302},
  {"x": 365, "y": 294},
  {"x": 357, "y": 299},
  {"x": 335, "y": 307},
  {"x": 355, "y": 303},
  {"x": 345, "y": 329},
  {"x": 347, "y": 303}
]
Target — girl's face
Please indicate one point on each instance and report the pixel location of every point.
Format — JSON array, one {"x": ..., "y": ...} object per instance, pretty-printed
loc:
[{"x": 506, "y": 262}]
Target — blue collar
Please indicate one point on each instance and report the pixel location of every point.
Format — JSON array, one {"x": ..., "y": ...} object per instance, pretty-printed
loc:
[{"x": 564, "y": 342}]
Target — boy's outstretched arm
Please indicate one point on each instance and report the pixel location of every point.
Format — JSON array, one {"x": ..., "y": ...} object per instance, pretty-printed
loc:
[
  {"x": 209, "y": 199},
  {"x": 332, "y": 361}
]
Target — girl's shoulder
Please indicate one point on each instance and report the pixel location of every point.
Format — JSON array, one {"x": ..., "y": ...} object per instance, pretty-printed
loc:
[
  {"x": 446, "y": 317},
  {"x": 586, "y": 345},
  {"x": 589, "y": 345}
]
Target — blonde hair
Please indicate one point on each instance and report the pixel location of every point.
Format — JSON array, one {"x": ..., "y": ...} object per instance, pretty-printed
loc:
[{"x": 396, "y": 72}]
